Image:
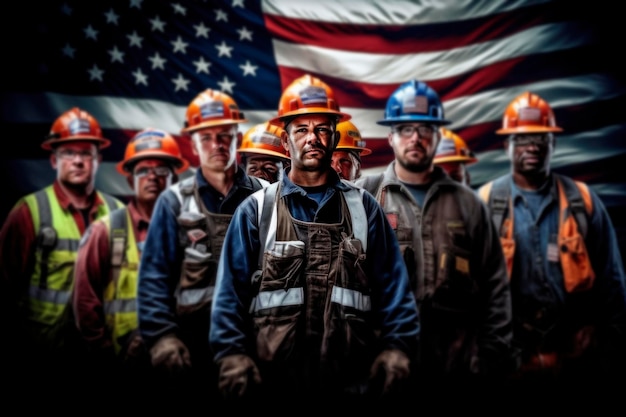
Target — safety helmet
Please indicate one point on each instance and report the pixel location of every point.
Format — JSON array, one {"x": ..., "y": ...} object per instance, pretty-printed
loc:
[
  {"x": 152, "y": 143},
  {"x": 211, "y": 108},
  {"x": 350, "y": 139},
  {"x": 528, "y": 113},
  {"x": 307, "y": 95},
  {"x": 75, "y": 125},
  {"x": 452, "y": 148},
  {"x": 263, "y": 138},
  {"x": 414, "y": 101}
]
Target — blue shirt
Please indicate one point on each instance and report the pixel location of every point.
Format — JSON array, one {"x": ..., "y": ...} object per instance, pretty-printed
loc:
[
  {"x": 537, "y": 278},
  {"x": 392, "y": 299}
]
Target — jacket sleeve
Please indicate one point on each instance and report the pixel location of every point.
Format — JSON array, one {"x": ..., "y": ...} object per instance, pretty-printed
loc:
[
  {"x": 230, "y": 318},
  {"x": 609, "y": 288},
  {"x": 393, "y": 300},
  {"x": 91, "y": 276},
  {"x": 159, "y": 272},
  {"x": 495, "y": 334}
]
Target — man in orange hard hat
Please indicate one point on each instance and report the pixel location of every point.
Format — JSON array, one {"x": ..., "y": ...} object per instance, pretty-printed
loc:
[
  {"x": 347, "y": 155},
  {"x": 107, "y": 263},
  {"x": 454, "y": 156},
  {"x": 262, "y": 153},
  {"x": 38, "y": 246},
  {"x": 563, "y": 260},
  {"x": 182, "y": 248},
  {"x": 306, "y": 307}
]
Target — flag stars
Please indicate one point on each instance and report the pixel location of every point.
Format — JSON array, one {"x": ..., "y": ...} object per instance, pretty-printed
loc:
[
  {"x": 202, "y": 66},
  {"x": 221, "y": 15},
  {"x": 140, "y": 77},
  {"x": 116, "y": 55},
  {"x": 91, "y": 33},
  {"x": 249, "y": 69},
  {"x": 244, "y": 33},
  {"x": 238, "y": 3},
  {"x": 179, "y": 9},
  {"x": 180, "y": 83},
  {"x": 95, "y": 73},
  {"x": 136, "y": 4},
  {"x": 157, "y": 61},
  {"x": 179, "y": 45},
  {"x": 202, "y": 31},
  {"x": 134, "y": 39},
  {"x": 68, "y": 50},
  {"x": 223, "y": 49},
  {"x": 157, "y": 24},
  {"x": 226, "y": 85},
  {"x": 112, "y": 17}
]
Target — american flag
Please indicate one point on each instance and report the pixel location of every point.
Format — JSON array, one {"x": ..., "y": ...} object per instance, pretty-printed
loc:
[{"x": 138, "y": 63}]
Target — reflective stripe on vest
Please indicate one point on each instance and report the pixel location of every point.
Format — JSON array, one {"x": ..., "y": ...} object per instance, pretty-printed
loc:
[
  {"x": 120, "y": 295},
  {"x": 351, "y": 298},
  {"x": 277, "y": 298}
]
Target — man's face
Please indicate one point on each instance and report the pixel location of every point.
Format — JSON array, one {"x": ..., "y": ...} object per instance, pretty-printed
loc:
[
  {"x": 345, "y": 164},
  {"x": 216, "y": 147},
  {"x": 76, "y": 164},
  {"x": 150, "y": 177},
  {"x": 530, "y": 154},
  {"x": 310, "y": 140},
  {"x": 263, "y": 166},
  {"x": 414, "y": 145},
  {"x": 457, "y": 171}
]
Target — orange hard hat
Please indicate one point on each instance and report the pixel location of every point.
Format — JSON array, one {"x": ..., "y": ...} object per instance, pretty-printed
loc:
[
  {"x": 263, "y": 138},
  {"x": 307, "y": 95},
  {"x": 350, "y": 139},
  {"x": 528, "y": 113},
  {"x": 211, "y": 108},
  {"x": 72, "y": 126},
  {"x": 452, "y": 148},
  {"x": 152, "y": 143}
]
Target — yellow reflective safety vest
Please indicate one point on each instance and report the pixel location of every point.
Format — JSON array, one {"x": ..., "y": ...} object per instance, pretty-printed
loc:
[
  {"x": 575, "y": 204},
  {"x": 48, "y": 303},
  {"x": 120, "y": 294}
]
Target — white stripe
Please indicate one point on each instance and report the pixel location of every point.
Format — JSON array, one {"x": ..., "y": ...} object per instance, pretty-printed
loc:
[
  {"x": 278, "y": 298},
  {"x": 478, "y": 108},
  {"x": 395, "y": 68},
  {"x": 351, "y": 298},
  {"x": 391, "y": 12},
  {"x": 192, "y": 296}
]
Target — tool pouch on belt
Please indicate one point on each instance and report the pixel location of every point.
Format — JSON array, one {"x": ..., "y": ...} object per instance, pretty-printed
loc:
[{"x": 197, "y": 279}]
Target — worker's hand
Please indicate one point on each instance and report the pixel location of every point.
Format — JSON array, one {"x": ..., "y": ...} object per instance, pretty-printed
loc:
[
  {"x": 390, "y": 370},
  {"x": 238, "y": 375},
  {"x": 170, "y": 354}
]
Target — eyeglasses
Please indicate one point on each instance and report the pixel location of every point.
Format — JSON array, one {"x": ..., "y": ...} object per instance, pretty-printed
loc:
[
  {"x": 70, "y": 154},
  {"x": 158, "y": 171},
  {"x": 407, "y": 131},
  {"x": 537, "y": 140}
]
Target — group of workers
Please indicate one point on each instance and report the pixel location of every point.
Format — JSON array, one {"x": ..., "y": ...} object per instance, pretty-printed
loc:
[{"x": 277, "y": 271}]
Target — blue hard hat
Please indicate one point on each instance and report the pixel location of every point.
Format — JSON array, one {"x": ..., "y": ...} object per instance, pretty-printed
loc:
[{"x": 414, "y": 101}]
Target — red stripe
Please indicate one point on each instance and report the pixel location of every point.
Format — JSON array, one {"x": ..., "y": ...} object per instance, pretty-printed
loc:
[{"x": 403, "y": 39}]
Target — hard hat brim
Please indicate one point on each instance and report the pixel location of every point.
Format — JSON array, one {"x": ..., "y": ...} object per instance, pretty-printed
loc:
[
  {"x": 361, "y": 151},
  {"x": 180, "y": 164},
  {"x": 211, "y": 123},
  {"x": 413, "y": 119},
  {"x": 260, "y": 151},
  {"x": 285, "y": 118},
  {"x": 51, "y": 143},
  {"x": 528, "y": 129},
  {"x": 455, "y": 158}
]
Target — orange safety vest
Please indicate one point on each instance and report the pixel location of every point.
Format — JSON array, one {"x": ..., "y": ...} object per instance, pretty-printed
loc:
[{"x": 575, "y": 204}]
